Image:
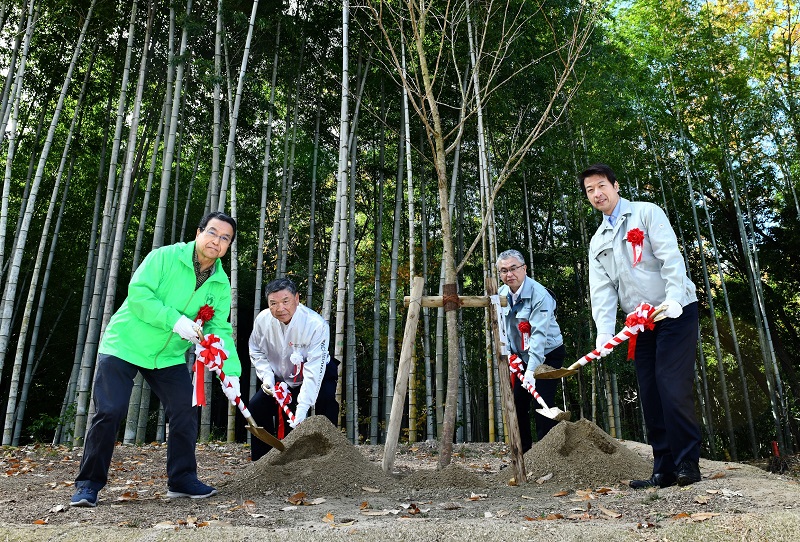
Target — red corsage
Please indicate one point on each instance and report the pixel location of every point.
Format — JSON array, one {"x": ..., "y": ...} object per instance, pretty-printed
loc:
[
  {"x": 205, "y": 314},
  {"x": 636, "y": 238},
  {"x": 524, "y": 332}
]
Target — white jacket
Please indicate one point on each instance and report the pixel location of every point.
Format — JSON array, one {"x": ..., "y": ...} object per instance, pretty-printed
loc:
[
  {"x": 272, "y": 345},
  {"x": 660, "y": 275}
]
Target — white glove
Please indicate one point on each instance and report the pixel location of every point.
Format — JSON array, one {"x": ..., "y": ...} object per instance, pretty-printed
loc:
[
  {"x": 602, "y": 339},
  {"x": 529, "y": 381},
  {"x": 267, "y": 381},
  {"x": 232, "y": 391},
  {"x": 187, "y": 329},
  {"x": 299, "y": 415},
  {"x": 672, "y": 309}
]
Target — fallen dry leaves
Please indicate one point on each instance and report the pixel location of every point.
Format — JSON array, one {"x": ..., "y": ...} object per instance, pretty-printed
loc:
[
  {"x": 610, "y": 513},
  {"x": 301, "y": 499}
]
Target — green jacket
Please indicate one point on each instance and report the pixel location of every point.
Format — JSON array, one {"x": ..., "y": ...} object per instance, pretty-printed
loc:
[{"x": 161, "y": 289}]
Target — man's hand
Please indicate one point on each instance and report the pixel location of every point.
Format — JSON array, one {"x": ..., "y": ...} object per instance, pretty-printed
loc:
[
  {"x": 529, "y": 381},
  {"x": 266, "y": 388},
  {"x": 599, "y": 344},
  {"x": 299, "y": 415},
  {"x": 232, "y": 390},
  {"x": 187, "y": 329},
  {"x": 671, "y": 308}
]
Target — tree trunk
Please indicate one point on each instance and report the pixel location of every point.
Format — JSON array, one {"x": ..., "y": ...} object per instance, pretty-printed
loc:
[
  {"x": 12, "y": 278},
  {"x": 263, "y": 208},
  {"x": 226, "y": 172},
  {"x": 172, "y": 127},
  {"x": 392, "y": 322},
  {"x": 375, "y": 390},
  {"x": 312, "y": 216}
]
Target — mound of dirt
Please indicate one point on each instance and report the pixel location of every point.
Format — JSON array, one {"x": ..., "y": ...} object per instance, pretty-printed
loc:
[
  {"x": 452, "y": 476},
  {"x": 581, "y": 455},
  {"x": 318, "y": 460}
]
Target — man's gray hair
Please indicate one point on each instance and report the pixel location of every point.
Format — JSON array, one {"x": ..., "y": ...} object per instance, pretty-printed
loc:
[
  {"x": 278, "y": 285},
  {"x": 506, "y": 254}
]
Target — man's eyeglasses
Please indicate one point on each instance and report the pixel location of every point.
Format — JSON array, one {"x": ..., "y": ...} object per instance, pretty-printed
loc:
[
  {"x": 504, "y": 271},
  {"x": 224, "y": 239}
]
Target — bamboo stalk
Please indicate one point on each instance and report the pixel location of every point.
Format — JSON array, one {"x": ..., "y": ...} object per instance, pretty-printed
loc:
[{"x": 466, "y": 301}]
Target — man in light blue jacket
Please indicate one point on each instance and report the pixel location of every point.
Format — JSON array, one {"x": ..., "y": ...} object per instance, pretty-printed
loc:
[
  {"x": 634, "y": 257},
  {"x": 534, "y": 336}
]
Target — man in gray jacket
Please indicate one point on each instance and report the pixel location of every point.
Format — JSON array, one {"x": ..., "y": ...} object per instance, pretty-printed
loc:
[
  {"x": 634, "y": 257},
  {"x": 534, "y": 336}
]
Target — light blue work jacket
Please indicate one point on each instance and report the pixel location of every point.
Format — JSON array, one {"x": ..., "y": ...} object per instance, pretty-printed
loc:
[
  {"x": 537, "y": 306},
  {"x": 613, "y": 279}
]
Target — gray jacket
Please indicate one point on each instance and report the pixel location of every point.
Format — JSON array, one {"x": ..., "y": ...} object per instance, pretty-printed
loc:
[{"x": 660, "y": 275}]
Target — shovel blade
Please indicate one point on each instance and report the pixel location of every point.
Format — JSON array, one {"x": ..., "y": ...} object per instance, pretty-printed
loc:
[
  {"x": 556, "y": 373},
  {"x": 554, "y": 413},
  {"x": 265, "y": 436}
]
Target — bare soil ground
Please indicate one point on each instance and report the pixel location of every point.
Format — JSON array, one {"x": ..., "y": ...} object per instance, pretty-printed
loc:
[{"x": 323, "y": 488}]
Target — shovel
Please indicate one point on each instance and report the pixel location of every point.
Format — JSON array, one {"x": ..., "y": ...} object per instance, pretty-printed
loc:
[
  {"x": 616, "y": 340},
  {"x": 554, "y": 413},
  {"x": 259, "y": 432}
]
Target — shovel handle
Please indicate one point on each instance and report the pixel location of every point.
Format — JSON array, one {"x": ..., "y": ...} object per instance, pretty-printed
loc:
[{"x": 285, "y": 407}]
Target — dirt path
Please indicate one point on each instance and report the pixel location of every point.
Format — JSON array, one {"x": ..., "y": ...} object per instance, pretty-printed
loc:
[{"x": 323, "y": 488}]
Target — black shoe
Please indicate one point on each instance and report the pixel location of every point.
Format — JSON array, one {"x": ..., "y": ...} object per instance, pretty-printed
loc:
[
  {"x": 657, "y": 480},
  {"x": 688, "y": 473}
]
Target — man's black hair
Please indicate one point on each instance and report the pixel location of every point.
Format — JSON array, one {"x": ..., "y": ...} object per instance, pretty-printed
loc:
[
  {"x": 280, "y": 284},
  {"x": 219, "y": 216},
  {"x": 596, "y": 169}
]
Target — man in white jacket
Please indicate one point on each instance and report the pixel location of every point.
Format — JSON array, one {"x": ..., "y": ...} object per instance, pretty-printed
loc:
[
  {"x": 634, "y": 257},
  {"x": 289, "y": 350}
]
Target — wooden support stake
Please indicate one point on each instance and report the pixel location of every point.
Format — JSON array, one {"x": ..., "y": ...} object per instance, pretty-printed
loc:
[
  {"x": 466, "y": 301},
  {"x": 514, "y": 439},
  {"x": 401, "y": 381}
]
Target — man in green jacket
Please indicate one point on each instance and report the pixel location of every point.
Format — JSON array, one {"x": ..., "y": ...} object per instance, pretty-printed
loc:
[{"x": 150, "y": 334}]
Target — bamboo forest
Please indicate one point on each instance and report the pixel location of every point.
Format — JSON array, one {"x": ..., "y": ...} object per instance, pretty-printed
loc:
[{"x": 363, "y": 143}]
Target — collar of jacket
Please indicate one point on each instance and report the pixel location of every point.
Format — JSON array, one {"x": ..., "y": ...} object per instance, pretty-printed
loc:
[
  {"x": 186, "y": 258},
  {"x": 525, "y": 292},
  {"x": 625, "y": 211}
]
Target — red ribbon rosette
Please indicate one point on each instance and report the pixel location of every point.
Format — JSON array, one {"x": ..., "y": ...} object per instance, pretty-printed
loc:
[
  {"x": 205, "y": 314},
  {"x": 525, "y": 333},
  {"x": 636, "y": 238},
  {"x": 639, "y": 320},
  {"x": 514, "y": 366}
]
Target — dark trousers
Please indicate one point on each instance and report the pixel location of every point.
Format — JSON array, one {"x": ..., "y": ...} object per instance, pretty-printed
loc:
[
  {"x": 266, "y": 413},
  {"x": 665, "y": 358},
  {"x": 112, "y": 392},
  {"x": 523, "y": 399}
]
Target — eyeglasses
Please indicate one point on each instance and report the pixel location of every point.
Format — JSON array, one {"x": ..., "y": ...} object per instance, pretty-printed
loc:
[
  {"x": 504, "y": 271},
  {"x": 224, "y": 239}
]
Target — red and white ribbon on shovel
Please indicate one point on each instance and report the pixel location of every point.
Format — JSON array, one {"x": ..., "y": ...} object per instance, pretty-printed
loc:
[
  {"x": 642, "y": 318},
  {"x": 515, "y": 367},
  {"x": 211, "y": 354},
  {"x": 283, "y": 397},
  {"x": 205, "y": 314}
]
